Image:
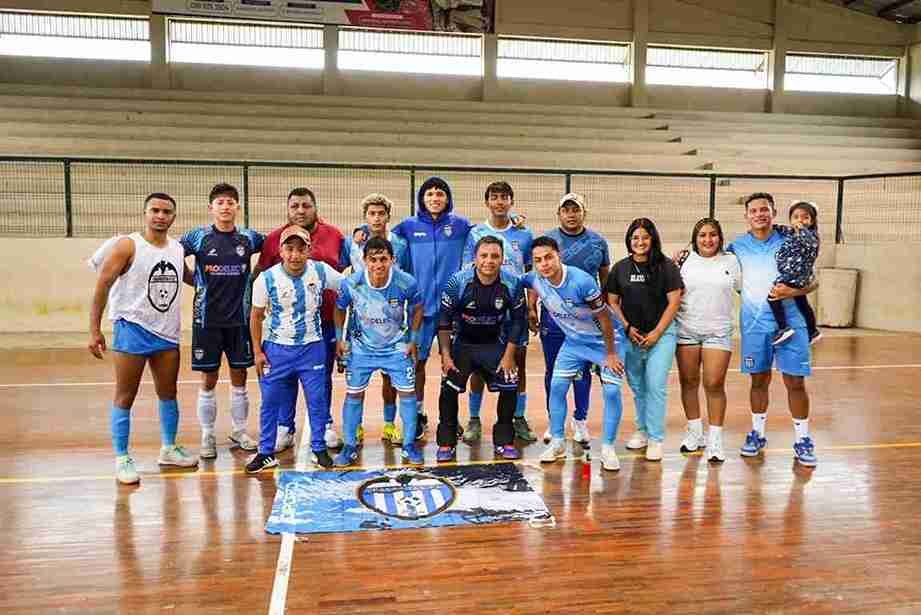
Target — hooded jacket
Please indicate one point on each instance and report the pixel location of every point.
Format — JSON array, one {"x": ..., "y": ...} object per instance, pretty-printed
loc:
[{"x": 436, "y": 247}]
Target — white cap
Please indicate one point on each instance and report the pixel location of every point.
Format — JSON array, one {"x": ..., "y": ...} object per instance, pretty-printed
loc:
[{"x": 572, "y": 197}]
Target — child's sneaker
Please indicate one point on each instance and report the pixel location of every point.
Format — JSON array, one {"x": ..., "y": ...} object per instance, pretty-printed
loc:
[
  {"x": 348, "y": 456},
  {"x": 446, "y": 454},
  {"x": 782, "y": 336}
]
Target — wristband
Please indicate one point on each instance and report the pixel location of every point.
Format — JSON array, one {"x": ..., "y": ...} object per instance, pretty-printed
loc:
[{"x": 338, "y": 333}]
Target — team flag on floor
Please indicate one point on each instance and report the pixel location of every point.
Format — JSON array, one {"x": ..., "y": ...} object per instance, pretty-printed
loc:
[{"x": 356, "y": 500}]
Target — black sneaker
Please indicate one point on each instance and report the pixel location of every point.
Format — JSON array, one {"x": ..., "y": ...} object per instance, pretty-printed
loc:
[
  {"x": 261, "y": 462},
  {"x": 782, "y": 336},
  {"x": 422, "y": 424},
  {"x": 322, "y": 458}
]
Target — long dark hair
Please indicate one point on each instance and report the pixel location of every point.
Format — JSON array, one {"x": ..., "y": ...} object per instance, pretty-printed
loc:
[
  {"x": 655, "y": 252},
  {"x": 811, "y": 210},
  {"x": 707, "y": 222}
]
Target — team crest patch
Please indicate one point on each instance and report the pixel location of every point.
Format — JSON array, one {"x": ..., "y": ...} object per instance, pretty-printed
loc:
[
  {"x": 241, "y": 251},
  {"x": 516, "y": 245},
  {"x": 199, "y": 354},
  {"x": 399, "y": 498},
  {"x": 449, "y": 230},
  {"x": 750, "y": 362},
  {"x": 499, "y": 303},
  {"x": 162, "y": 286}
]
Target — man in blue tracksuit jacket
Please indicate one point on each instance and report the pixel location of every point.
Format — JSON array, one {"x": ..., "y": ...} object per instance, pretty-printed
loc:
[{"x": 436, "y": 239}]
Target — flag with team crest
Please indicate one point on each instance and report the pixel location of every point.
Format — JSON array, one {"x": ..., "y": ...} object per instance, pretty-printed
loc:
[{"x": 401, "y": 498}]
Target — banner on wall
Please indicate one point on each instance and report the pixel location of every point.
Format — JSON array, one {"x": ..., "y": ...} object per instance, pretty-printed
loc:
[{"x": 473, "y": 16}]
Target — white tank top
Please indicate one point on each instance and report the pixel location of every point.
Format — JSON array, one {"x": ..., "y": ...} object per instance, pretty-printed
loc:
[{"x": 149, "y": 294}]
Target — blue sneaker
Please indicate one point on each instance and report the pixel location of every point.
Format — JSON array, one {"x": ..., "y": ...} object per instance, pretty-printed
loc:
[
  {"x": 412, "y": 455},
  {"x": 508, "y": 452},
  {"x": 804, "y": 449},
  {"x": 753, "y": 444},
  {"x": 446, "y": 454},
  {"x": 348, "y": 456}
]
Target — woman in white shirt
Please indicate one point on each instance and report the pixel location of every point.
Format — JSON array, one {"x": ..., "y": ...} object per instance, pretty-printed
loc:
[{"x": 712, "y": 278}]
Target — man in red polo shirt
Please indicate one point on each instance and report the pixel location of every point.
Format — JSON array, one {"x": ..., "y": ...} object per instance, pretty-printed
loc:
[{"x": 325, "y": 246}]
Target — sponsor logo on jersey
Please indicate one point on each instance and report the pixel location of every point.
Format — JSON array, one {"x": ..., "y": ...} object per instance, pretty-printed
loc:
[
  {"x": 420, "y": 234},
  {"x": 212, "y": 252}
]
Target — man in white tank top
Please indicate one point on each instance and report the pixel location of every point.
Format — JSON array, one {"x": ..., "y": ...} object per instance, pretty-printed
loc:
[{"x": 141, "y": 280}]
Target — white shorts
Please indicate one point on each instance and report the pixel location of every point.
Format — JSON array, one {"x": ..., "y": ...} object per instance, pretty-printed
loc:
[{"x": 716, "y": 342}]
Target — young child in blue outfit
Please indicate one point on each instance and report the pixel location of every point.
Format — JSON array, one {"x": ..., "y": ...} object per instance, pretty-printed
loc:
[{"x": 795, "y": 261}]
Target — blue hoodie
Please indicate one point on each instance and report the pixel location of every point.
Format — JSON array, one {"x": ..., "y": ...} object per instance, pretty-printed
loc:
[{"x": 436, "y": 247}]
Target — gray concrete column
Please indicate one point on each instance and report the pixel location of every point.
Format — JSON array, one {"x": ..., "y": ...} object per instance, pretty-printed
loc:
[
  {"x": 159, "y": 40},
  {"x": 490, "y": 60},
  {"x": 332, "y": 80},
  {"x": 638, "y": 96},
  {"x": 779, "y": 56}
]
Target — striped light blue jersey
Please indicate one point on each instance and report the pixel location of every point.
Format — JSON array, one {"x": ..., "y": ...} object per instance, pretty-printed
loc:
[
  {"x": 380, "y": 317},
  {"x": 758, "y": 260},
  {"x": 293, "y": 302},
  {"x": 573, "y": 304},
  {"x": 353, "y": 253},
  {"x": 588, "y": 250},
  {"x": 516, "y": 246}
]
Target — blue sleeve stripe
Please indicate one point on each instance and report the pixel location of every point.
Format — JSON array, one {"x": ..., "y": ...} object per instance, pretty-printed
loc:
[{"x": 272, "y": 291}]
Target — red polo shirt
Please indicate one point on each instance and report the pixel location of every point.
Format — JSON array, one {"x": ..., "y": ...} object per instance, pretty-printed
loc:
[{"x": 325, "y": 245}]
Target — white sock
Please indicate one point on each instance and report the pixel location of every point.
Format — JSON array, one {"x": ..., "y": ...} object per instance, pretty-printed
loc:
[
  {"x": 207, "y": 411},
  {"x": 759, "y": 421},
  {"x": 715, "y": 434},
  {"x": 239, "y": 407},
  {"x": 696, "y": 427},
  {"x": 802, "y": 428}
]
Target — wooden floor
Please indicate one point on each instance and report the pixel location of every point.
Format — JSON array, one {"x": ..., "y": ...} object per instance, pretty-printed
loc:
[{"x": 680, "y": 536}]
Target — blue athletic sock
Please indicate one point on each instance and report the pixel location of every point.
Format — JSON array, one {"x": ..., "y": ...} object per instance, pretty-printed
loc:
[
  {"x": 522, "y": 404},
  {"x": 558, "y": 389},
  {"x": 390, "y": 413},
  {"x": 351, "y": 418},
  {"x": 476, "y": 402},
  {"x": 613, "y": 409},
  {"x": 169, "y": 421},
  {"x": 408, "y": 409},
  {"x": 120, "y": 421}
]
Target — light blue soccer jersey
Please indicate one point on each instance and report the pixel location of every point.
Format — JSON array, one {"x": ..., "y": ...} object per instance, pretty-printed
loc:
[
  {"x": 588, "y": 250},
  {"x": 758, "y": 260},
  {"x": 573, "y": 304},
  {"x": 380, "y": 317},
  {"x": 293, "y": 302},
  {"x": 353, "y": 252},
  {"x": 516, "y": 246}
]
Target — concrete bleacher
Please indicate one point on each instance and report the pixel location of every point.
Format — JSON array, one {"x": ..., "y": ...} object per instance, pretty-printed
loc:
[{"x": 123, "y": 123}]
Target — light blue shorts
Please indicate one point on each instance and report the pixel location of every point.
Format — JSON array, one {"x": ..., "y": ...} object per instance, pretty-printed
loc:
[
  {"x": 792, "y": 357},
  {"x": 132, "y": 338},
  {"x": 360, "y": 366},
  {"x": 573, "y": 358}
]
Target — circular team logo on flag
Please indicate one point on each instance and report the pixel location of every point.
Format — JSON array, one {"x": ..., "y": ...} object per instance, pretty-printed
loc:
[{"x": 409, "y": 496}]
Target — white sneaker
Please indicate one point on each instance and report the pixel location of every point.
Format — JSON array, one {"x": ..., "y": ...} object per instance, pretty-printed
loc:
[
  {"x": 654, "y": 451},
  {"x": 692, "y": 441},
  {"x": 242, "y": 439},
  {"x": 284, "y": 440},
  {"x": 580, "y": 432},
  {"x": 609, "y": 460},
  {"x": 208, "y": 447},
  {"x": 332, "y": 437},
  {"x": 714, "y": 452},
  {"x": 125, "y": 472},
  {"x": 555, "y": 451},
  {"x": 547, "y": 436},
  {"x": 637, "y": 440},
  {"x": 177, "y": 456}
]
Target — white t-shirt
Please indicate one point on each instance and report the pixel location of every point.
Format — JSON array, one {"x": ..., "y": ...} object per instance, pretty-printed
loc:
[
  {"x": 710, "y": 286},
  {"x": 293, "y": 303}
]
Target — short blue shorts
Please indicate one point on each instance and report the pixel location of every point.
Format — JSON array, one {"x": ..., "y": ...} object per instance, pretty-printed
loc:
[
  {"x": 427, "y": 334},
  {"x": 792, "y": 357},
  {"x": 132, "y": 338},
  {"x": 360, "y": 366},
  {"x": 573, "y": 358}
]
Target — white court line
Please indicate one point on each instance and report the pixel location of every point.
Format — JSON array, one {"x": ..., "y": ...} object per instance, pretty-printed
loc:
[
  {"x": 32, "y": 385},
  {"x": 286, "y": 552}
]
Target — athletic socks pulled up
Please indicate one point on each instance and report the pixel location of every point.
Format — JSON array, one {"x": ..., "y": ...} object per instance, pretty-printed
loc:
[{"x": 120, "y": 422}]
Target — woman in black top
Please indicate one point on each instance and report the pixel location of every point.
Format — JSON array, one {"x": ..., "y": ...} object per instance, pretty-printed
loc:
[{"x": 644, "y": 290}]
